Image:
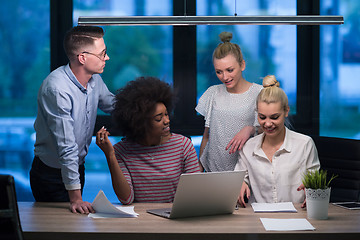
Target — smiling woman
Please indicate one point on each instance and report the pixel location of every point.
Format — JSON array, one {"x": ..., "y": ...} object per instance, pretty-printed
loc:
[
  {"x": 273, "y": 108},
  {"x": 276, "y": 159},
  {"x": 228, "y": 109},
  {"x": 150, "y": 157}
]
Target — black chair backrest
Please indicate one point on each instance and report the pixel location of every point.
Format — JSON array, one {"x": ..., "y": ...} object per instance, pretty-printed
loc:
[
  {"x": 341, "y": 157},
  {"x": 10, "y": 227}
]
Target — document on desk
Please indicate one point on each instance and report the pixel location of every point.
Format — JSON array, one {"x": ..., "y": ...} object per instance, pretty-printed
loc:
[
  {"x": 274, "y": 207},
  {"x": 105, "y": 209},
  {"x": 295, "y": 224}
]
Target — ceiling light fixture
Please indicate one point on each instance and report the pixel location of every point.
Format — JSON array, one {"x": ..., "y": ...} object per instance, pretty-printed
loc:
[{"x": 212, "y": 20}]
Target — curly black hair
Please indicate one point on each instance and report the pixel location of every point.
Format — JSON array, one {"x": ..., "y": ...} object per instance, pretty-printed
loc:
[{"x": 136, "y": 101}]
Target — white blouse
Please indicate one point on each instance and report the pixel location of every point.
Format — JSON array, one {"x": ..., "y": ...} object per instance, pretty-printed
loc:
[
  {"x": 225, "y": 114},
  {"x": 277, "y": 181}
]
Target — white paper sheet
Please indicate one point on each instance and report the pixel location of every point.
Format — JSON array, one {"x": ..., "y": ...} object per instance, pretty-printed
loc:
[
  {"x": 105, "y": 209},
  {"x": 297, "y": 224},
  {"x": 274, "y": 207}
]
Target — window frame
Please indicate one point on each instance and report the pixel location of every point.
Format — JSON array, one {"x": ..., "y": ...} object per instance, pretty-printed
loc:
[{"x": 187, "y": 121}]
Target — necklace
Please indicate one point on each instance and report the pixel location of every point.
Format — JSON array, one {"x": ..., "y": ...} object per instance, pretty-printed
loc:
[
  {"x": 158, "y": 145},
  {"x": 150, "y": 155}
]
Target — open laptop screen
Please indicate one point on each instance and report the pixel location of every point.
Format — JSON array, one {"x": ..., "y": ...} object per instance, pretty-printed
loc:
[{"x": 200, "y": 194}]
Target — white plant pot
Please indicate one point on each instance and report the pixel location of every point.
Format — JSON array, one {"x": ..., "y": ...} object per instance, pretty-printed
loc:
[{"x": 317, "y": 203}]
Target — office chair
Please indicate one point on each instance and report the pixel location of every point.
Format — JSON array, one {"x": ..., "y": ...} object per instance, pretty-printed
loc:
[
  {"x": 10, "y": 227},
  {"x": 341, "y": 157}
]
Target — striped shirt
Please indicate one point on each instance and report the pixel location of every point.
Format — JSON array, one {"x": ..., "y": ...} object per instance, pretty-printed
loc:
[{"x": 153, "y": 172}]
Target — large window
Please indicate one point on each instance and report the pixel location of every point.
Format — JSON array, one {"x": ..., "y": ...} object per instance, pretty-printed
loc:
[
  {"x": 24, "y": 63},
  {"x": 182, "y": 57},
  {"x": 264, "y": 47},
  {"x": 340, "y": 71},
  {"x": 133, "y": 51}
]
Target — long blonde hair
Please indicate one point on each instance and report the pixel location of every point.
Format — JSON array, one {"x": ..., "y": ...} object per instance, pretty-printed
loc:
[{"x": 272, "y": 93}]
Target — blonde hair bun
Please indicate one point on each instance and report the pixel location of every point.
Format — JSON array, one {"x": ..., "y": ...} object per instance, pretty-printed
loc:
[
  {"x": 270, "y": 81},
  {"x": 225, "y": 36}
]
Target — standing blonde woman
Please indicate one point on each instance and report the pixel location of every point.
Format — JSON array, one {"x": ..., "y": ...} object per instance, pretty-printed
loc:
[
  {"x": 228, "y": 109},
  {"x": 276, "y": 159}
]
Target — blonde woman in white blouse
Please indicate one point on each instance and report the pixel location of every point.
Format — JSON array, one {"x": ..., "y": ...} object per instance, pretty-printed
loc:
[
  {"x": 228, "y": 109},
  {"x": 276, "y": 159}
]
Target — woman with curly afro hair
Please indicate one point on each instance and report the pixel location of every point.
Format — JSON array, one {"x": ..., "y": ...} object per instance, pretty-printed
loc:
[{"x": 146, "y": 165}]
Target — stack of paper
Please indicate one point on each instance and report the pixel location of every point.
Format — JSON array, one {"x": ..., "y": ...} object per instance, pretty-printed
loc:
[
  {"x": 104, "y": 209},
  {"x": 274, "y": 207},
  {"x": 274, "y": 224},
  {"x": 295, "y": 224}
]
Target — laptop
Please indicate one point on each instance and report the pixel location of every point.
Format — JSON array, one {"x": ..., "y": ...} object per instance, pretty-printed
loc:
[{"x": 203, "y": 194}]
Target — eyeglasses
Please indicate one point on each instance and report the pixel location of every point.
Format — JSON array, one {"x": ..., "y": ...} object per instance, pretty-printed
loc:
[{"x": 100, "y": 56}]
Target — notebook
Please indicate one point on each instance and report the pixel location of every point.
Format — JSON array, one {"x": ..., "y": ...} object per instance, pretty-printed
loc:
[{"x": 202, "y": 194}]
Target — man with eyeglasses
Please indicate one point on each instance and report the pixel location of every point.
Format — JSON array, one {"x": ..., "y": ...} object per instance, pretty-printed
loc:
[{"x": 68, "y": 100}]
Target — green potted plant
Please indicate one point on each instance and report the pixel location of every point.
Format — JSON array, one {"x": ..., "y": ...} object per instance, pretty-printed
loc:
[{"x": 317, "y": 191}]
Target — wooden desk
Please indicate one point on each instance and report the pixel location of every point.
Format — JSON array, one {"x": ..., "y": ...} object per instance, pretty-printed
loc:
[{"x": 54, "y": 221}]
